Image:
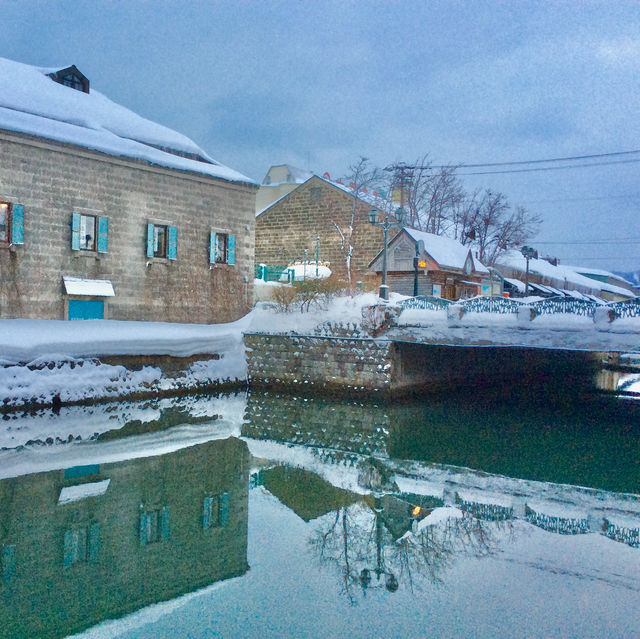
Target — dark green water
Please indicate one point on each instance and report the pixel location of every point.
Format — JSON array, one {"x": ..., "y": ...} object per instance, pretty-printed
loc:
[{"x": 250, "y": 516}]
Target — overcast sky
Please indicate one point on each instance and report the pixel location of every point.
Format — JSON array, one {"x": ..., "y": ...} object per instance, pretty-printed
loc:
[{"x": 317, "y": 84}]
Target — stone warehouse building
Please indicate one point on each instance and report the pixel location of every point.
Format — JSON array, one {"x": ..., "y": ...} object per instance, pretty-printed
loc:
[
  {"x": 104, "y": 214},
  {"x": 320, "y": 209}
]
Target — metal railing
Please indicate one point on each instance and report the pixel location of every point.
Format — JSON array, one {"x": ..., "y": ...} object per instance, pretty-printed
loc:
[
  {"x": 425, "y": 302},
  {"x": 502, "y": 305},
  {"x": 273, "y": 273},
  {"x": 554, "y": 305},
  {"x": 627, "y": 308}
]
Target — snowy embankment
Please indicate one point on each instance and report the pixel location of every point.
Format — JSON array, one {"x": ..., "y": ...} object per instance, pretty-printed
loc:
[{"x": 45, "y": 361}]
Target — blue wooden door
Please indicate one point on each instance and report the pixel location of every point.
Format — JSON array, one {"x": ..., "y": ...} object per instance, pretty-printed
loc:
[{"x": 86, "y": 309}]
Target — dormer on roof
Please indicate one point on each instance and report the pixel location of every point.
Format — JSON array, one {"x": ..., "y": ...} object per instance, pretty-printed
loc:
[{"x": 71, "y": 77}]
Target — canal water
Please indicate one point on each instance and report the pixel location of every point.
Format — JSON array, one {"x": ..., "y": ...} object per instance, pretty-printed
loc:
[{"x": 267, "y": 515}]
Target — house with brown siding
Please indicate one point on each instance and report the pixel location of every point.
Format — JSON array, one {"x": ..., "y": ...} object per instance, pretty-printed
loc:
[
  {"x": 107, "y": 215},
  {"x": 439, "y": 265},
  {"x": 319, "y": 213}
]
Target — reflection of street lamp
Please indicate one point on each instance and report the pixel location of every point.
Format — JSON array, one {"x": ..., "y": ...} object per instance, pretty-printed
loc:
[
  {"x": 528, "y": 254},
  {"x": 390, "y": 582},
  {"x": 386, "y": 225}
]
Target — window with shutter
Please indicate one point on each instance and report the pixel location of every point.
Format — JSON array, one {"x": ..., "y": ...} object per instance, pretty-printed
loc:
[
  {"x": 103, "y": 232},
  {"x": 11, "y": 224}
]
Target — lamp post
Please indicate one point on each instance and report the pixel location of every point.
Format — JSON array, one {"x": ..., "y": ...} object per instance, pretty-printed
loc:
[
  {"x": 528, "y": 254},
  {"x": 386, "y": 225}
]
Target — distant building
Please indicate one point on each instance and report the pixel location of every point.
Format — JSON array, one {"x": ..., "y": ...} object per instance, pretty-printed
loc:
[
  {"x": 279, "y": 180},
  {"x": 549, "y": 279},
  {"x": 104, "y": 214},
  {"x": 445, "y": 268},
  {"x": 316, "y": 214}
]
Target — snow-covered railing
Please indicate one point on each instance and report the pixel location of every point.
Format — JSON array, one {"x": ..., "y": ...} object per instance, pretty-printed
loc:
[
  {"x": 627, "y": 308},
  {"x": 489, "y": 512},
  {"x": 560, "y": 525},
  {"x": 425, "y": 302},
  {"x": 502, "y": 305},
  {"x": 554, "y": 305},
  {"x": 629, "y": 536},
  {"x": 338, "y": 329}
]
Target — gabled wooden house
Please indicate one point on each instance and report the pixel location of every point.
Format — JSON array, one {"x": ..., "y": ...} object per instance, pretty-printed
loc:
[{"x": 438, "y": 265}]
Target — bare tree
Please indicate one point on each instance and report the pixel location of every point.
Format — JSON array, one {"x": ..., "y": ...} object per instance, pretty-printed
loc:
[
  {"x": 429, "y": 195},
  {"x": 488, "y": 222},
  {"x": 362, "y": 177}
]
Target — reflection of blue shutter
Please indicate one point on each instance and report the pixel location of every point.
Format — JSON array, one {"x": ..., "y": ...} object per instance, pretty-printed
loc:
[
  {"x": 103, "y": 231},
  {"x": 17, "y": 224},
  {"x": 164, "y": 523},
  {"x": 231, "y": 249},
  {"x": 142, "y": 529},
  {"x": 94, "y": 541},
  {"x": 75, "y": 231},
  {"x": 213, "y": 240},
  {"x": 8, "y": 563},
  {"x": 224, "y": 509},
  {"x": 172, "y": 253},
  {"x": 206, "y": 512},
  {"x": 68, "y": 548}
]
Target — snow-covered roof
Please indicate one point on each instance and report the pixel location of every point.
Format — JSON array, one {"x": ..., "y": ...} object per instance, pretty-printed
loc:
[
  {"x": 80, "y": 286},
  {"x": 560, "y": 273},
  {"x": 33, "y": 103},
  {"x": 587, "y": 270},
  {"x": 444, "y": 250}
]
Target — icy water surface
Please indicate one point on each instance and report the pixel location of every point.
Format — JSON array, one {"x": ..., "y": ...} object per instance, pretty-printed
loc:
[{"x": 275, "y": 516}]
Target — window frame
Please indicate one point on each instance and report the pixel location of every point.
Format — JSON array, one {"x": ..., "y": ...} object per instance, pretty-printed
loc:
[
  {"x": 8, "y": 221},
  {"x": 222, "y": 256},
  {"x": 94, "y": 236}
]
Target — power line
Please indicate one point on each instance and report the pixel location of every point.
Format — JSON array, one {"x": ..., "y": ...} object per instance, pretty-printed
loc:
[
  {"x": 552, "y": 168},
  {"x": 610, "y": 241},
  {"x": 585, "y": 199},
  {"x": 561, "y": 159}
]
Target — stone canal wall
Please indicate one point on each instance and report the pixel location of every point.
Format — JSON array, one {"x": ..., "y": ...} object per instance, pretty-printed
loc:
[
  {"x": 344, "y": 365},
  {"x": 356, "y": 366}
]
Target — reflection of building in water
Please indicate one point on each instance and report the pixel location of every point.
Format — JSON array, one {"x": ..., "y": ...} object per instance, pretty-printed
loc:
[
  {"x": 95, "y": 542},
  {"x": 329, "y": 427}
]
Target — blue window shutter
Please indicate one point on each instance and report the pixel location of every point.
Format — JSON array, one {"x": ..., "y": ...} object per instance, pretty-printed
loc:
[
  {"x": 94, "y": 542},
  {"x": 103, "y": 232},
  {"x": 224, "y": 509},
  {"x": 67, "y": 559},
  {"x": 75, "y": 231},
  {"x": 8, "y": 563},
  {"x": 172, "y": 250},
  {"x": 17, "y": 224},
  {"x": 231, "y": 249},
  {"x": 206, "y": 512},
  {"x": 164, "y": 523},
  {"x": 213, "y": 241},
  {"x": 150, "y": 240},
  {"x": 142, "y": 529}
]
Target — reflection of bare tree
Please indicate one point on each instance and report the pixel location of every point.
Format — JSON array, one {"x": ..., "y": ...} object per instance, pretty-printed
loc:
[{"x": 356, "y": 542}]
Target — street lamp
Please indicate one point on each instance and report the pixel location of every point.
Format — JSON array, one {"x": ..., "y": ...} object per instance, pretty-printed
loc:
[
  {"x": 386, "y": 225},
  {"x": 528, "y": 253}
]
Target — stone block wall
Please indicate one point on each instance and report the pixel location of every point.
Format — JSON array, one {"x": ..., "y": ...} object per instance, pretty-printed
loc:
[
  {"x": 291, "y": 225},
  {"x": 321, "y": 364},
  {"x": 52, "y": 180}
]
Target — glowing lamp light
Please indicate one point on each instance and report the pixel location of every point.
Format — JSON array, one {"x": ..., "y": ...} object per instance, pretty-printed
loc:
[
  {"x": 422, "y": 263},
  {"x": 416, "y": 511}
]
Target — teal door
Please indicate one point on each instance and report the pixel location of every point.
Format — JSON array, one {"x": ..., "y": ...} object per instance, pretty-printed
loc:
[{"x": 86, "y": 309}]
